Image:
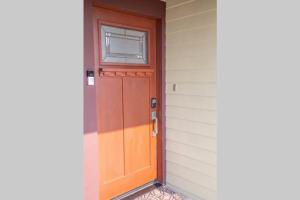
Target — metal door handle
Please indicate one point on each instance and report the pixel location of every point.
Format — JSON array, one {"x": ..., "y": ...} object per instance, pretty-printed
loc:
[{"x": 155, "y": 129}]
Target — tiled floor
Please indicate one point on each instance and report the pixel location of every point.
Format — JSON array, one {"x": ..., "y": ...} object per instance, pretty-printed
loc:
[{"x": 161, "y": 193}]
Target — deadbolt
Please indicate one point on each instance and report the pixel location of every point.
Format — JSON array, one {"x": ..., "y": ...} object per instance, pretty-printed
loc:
[{"x": 153, "y": 102}]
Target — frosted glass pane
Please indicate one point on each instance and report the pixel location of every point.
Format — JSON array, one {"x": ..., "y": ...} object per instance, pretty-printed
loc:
[{"x": 120, "y": 45}]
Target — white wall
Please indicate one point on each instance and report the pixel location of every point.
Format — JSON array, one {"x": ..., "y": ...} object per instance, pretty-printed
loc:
[{"x": 191, "y": 109}]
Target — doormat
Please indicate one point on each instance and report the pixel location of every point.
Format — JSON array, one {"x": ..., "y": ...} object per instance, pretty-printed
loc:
[{"x": 161, "y": 193}]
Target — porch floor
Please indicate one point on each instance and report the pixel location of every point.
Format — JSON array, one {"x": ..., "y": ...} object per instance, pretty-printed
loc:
[{"x": 161, "y": 193}]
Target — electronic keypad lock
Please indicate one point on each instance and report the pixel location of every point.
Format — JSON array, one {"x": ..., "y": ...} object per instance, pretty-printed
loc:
[{"x": 153, "y": 102}]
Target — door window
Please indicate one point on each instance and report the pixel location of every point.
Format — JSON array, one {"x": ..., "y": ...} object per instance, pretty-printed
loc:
[{"x": 121, "y": 45}]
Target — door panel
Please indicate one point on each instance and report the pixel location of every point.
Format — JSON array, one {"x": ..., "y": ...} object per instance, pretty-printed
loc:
[
  {"x": 136, "y": 124},
  {"x": 110, "y": 125}
]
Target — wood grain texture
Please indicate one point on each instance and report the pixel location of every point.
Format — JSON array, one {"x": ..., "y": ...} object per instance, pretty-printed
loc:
[
  {"x": 126, "y": 147},
  {"x": 110, "y": 125},
  {"x": 137, "y": 124}
]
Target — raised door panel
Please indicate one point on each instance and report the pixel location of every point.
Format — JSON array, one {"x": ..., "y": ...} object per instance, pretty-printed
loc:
[
  {"x": 110, "y": 123},
  {"x": 136, "y": 94}
]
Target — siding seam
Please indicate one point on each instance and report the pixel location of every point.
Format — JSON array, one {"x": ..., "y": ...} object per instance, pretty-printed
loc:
[
  {"x": 172, "y": 68},
  {"x": 188, "y": 95},
  {"x": 186, "y": 132},
  {"x": 202, "y": 173},
  {"x": 191, "y": 15},
  {"x": 201, "y": 122},
  {"x": 209, "y": 123},
  {"x": 205, "y": 187},
  {"x": 180, "y": 4},
  {"x": 191, "y": 82},
  {"x": 190, "y": 107},
  {"x": 191, "y": 145},
  {"x": 190, "y": 29},
  {"x": 207, "y": 163}
]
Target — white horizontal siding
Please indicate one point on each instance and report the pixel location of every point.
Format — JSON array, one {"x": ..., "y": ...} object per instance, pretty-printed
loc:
[
  {"x": 191, "y": 50},
  {"x": 191, "y": 8},
  {"x": 195, "y": 76},
  {"x": 195, "y": 115},
  {"x": 191, "y": 101},
  {"x": 191, "y": 109},
  {"x": 200, "y": 61},
  {"x": 204, "y": 90},
  {"x": 177, "y": 3},
  {"x": 192, "y": 139},
  {"x": 190, "y": 163},
  {"x": 198, "y": 192},
  {"x": 192, "y": 176},
  {"x": 188, "y": 126},
  {"x": 196, "y": 21},
  {"x": 193, "y": 152},
  {"x": 184, "y": 37}
]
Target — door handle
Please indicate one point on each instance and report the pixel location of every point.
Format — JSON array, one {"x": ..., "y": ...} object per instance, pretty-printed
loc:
[{"x": 155, "y": 128}]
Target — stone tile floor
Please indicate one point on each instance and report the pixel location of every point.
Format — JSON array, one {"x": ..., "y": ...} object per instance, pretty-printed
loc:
[{"x": 161, "y": 193}]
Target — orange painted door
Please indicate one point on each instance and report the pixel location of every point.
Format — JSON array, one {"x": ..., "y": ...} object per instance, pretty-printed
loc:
[{"x": 126, "y": 57}]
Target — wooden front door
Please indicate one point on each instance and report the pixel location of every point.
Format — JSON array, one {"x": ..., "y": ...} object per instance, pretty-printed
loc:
[{"x": 126, "y": 85}]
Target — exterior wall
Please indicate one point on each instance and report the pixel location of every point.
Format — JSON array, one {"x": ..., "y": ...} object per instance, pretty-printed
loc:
[
  {"x": 90, "y": 137},
  {"x": 191, "y": 108}
]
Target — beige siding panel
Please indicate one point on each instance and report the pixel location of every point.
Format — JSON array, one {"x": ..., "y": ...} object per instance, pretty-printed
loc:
[
  {"x": 192, "y": 152},
  {"x": 201, "y": 192},
  {"x": 198, "y": 76},
  {"x": 177, "y": 3},
  {"x": 200, "y": 61},
  {"x": 192, "y": 139},
  {"x": 191, "y": 109},
  {"x": 191, "y": 50},
  {"x": 190, "y": 9},
  {"x": 191, "y": 101},
  {"x": 199, "y": 36},
  {"x": 184, "y": 125},
  {"x": 199, "y": 20},
  {"x": 205, "y": 90},
  {"x": 193, "y": 176},
  {"x": 189, "y": 163},
  {"x": 196, "y": 115},
  {"x": 188, "y": 49}
]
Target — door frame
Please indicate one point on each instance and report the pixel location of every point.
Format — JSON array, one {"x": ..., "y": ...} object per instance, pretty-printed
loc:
[{"x": 154, "y": 9}]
